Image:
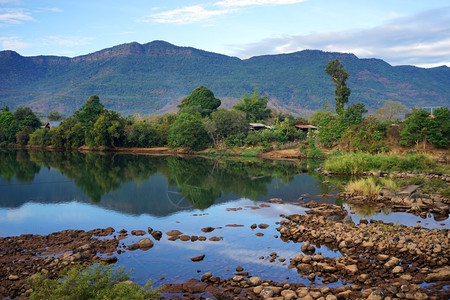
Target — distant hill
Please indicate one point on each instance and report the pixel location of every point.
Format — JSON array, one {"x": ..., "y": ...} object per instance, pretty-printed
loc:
[{"x": 154, "y": 77}]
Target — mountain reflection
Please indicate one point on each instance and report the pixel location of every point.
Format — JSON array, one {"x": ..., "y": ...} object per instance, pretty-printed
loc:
[{"x": 136, "y": 184}]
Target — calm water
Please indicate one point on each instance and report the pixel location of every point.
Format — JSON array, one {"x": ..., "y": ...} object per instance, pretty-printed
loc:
[{"x": 43, "y": 192}]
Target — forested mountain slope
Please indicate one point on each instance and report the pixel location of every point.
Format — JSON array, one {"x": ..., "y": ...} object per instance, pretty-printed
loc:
[{"x": 154, "y": 77}]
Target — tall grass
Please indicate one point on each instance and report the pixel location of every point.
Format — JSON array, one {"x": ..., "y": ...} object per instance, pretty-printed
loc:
[
  {"x": 356, "y": 163},
  {"x": 368, "y": 187}
]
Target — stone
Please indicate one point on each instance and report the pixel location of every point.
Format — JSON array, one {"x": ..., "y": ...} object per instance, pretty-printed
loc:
[
  {"x": 352, "y": 269},
  {"x": 393, "y": 261},
  {"x": 13, "y": 277},
  {"x": 397, "y": 269},
  {"x": 206, "y": 276},
  {"x": 382, "y": 257},
  {"x": 304, "y": 268},
  {"x": 289, "y": 295},
  {"x": 198, "y": 258},
  {"x": 263, "y": 226},
  {"x": 157, "y": 235},
  {"x": 441, "y": 274},
  {"x": 138, "y": 232},
  {"x": 376, "y": 295},
  {"x": 174, "y": 233},
  {"x": 145, "y": 244},
  {"x": 207, "y": 229},
  {"x": 254, "y": 281},
  {"x": 331, "y": 297},
  {"x": 266, "y": 293}
]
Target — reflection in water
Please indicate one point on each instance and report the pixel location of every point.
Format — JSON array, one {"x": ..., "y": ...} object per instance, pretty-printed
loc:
[{"x": 147, "y": 184}]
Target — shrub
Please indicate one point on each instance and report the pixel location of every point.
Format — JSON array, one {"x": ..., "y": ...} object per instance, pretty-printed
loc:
[{"x": 98, "y": 281}]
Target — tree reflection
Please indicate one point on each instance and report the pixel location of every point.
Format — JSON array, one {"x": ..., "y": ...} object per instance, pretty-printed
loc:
[{"x": 200, "y": 181}]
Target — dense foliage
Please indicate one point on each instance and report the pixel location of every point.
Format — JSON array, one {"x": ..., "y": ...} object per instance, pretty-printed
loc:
[{"x": 199, "y": 124}]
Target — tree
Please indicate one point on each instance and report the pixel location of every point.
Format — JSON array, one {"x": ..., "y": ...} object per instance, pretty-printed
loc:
[
  {"x": 202, "y": 100},
  {"x": 188, "y": 132},
  {"x": 108, "y": 129},
  {"x": 390, "y": 111},
  {"x": 415, "y": 128},
  {"x": 339, "y": 75},
  {"x": 254, "y": 106},
  {"x": 54, "y": 115}
]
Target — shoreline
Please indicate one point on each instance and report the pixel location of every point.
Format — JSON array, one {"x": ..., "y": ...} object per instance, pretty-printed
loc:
[{"x": 399, "y": 258}]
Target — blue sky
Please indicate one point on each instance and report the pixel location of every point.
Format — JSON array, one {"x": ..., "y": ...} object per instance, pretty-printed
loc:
[{"x": 401, "y": 32}]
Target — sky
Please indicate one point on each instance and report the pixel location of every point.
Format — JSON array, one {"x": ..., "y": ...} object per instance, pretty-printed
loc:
[{"x": 401, "y": 32}]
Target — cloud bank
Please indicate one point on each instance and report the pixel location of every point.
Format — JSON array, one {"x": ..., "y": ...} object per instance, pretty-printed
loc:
[{"x": 422, "y": 40}]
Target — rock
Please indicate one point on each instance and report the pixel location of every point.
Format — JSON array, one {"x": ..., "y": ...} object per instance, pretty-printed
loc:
[
  {"x": 393, "y": 261},
  {"x": 198, "y": 258},
  {"x": 208, "y": 229},
  {"x": 305, "y": 268},
  {"x": 157, "y": 235},
  {"x": 307, "y": 248},
  {"x": 331, "y": 297},
  {"x": 441, "y": 274},
  {"x": 239, "y": 269},
  {"x": 288, "y": 294},
  {"x": 174, "y": 233},
  {"x": 266, "y": 293},
  {"x": 352, "y": 269},
  {"x": 397, "y": 269},
  {"x": 206, "y": 276},
  {"x": 109, "y": 259},
  {"x": 382, "y": 257},
  {"x": 263, "y": 226},
  {"x": 145, "y": 244},
  {"x": 13, "y": 277},
  {"x": 138, "y": 232},
  {"x": 376, "y": 295},
  {"x": 254, "y": 281},
  {"x": 363, "y": 221},
  {"x": 185, "y": 238}
]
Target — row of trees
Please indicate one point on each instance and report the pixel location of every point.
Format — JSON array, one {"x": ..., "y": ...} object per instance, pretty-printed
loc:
[{"x": 200, "y": 123}]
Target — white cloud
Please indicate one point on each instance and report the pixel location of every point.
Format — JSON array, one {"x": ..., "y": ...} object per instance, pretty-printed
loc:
[
  {"x": 13, "y": 42},
  {"x": 14, "y": 16},
  {"x": 185, "y": 15},
  {"x": 422, "y": 39},
  {"x": 237, "y": 3}
]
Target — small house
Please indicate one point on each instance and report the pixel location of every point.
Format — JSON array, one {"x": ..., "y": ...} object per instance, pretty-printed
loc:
[
  {"x": 306, "y": 128},
  {"x": 52, "y": 124},
  {"x": 259, "y": 126}
]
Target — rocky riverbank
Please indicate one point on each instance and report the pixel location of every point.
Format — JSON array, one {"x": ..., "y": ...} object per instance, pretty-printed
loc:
[
  {"x": 411, "y": 199},
  {"x": 377, "y": 260}
]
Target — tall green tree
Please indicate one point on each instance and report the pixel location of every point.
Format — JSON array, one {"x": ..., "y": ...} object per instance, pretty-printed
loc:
[
  {"x": 188, "y": 132},
  {"x": 339, "y": 75},
  {"x": 254, "y": 106},
  {"x": 108, "y": 129},
  {"x": 421, "y": 126},
  {"x": 201, "y": 100}
]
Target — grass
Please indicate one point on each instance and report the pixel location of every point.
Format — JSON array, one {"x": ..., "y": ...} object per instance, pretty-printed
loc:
[
  {"x": 368, "y": 187},
  {"x": 98, "y": 281},
  {"x": 357, "y": 163}
]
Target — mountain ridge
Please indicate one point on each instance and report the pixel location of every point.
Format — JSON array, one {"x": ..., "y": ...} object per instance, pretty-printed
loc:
[{"x": 152, "y": 77}]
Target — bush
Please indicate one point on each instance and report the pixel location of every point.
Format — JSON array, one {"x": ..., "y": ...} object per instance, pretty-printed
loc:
[{"x": 98, "y": 281}]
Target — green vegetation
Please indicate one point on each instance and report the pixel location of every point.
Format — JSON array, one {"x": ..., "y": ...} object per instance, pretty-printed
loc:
[
  {"x": 98, "y": 281},
  {"x": 199, "y": 124},
  {"x": 357, "y": 163},
  {"x": 366, "y": 187}
]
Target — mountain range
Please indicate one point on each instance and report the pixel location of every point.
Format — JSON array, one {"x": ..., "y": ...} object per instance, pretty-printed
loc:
[{"x": 153, "y": 78}]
